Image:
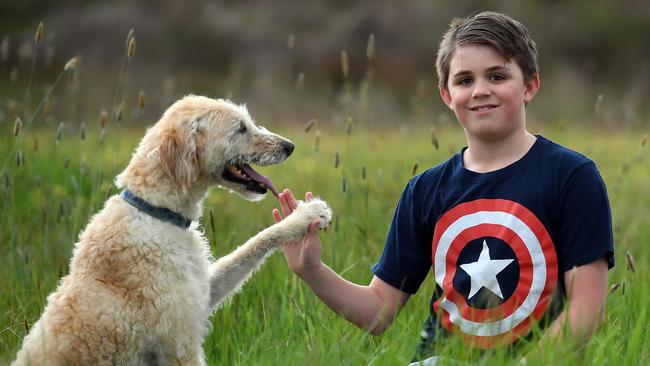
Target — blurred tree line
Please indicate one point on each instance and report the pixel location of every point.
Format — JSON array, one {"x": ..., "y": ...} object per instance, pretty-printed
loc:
[{"x": 594, "y": 56}]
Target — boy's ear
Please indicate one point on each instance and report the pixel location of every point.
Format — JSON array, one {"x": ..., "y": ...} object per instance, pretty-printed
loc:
[
  {"x": 532, "y": 86},
  {"x": 446, "y": 97}
]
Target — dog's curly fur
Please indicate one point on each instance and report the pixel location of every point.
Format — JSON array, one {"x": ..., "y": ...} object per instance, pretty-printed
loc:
[{"x": 140, "y": 290}]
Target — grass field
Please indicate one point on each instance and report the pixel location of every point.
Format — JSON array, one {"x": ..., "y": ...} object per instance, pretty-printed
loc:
[
  {"x": 54, "y": 176},
  {"x": 63, "y": 179}
]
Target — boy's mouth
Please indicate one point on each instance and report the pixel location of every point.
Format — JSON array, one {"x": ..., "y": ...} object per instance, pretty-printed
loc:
[{"x": 483, "y": 108}]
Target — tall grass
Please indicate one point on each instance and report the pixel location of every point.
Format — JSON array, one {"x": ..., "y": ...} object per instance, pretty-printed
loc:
[
  {"x": 276, "y": 319},
  {"x": 360, "y": 170}
]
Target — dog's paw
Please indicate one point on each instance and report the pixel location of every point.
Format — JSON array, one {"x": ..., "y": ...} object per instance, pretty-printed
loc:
[{"x": 316, "y": 209}]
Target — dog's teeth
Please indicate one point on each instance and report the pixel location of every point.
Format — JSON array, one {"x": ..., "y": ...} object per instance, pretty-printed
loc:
[{"x": 237, "y": 171}]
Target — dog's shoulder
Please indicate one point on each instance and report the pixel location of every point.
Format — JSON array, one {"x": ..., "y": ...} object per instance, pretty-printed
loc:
[{"x": 120, "y": 238}]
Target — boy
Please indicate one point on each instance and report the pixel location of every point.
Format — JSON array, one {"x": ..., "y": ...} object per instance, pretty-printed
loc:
[{"x": 513, "y": 226}]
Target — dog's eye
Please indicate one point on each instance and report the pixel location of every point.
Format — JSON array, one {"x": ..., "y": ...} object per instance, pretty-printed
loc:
[{"x": 242, "y": 127}]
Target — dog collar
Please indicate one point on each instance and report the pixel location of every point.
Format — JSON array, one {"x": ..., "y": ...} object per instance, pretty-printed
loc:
[{"x": 161, "y": 213}]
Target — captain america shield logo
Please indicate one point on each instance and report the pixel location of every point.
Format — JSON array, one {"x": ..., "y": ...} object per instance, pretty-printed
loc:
[{"x": 497, "y": 268}]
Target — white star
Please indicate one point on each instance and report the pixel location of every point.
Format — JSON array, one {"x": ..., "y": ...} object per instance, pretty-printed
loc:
[{"x": 483, "y": 272}]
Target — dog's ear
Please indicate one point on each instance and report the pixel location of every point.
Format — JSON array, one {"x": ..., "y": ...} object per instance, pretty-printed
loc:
[{"x": 178, "y": 156}]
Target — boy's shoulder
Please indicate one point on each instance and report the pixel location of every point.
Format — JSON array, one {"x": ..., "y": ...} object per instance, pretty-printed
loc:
[
  {"x": 435, "y": 172},
  {"x": 562, "y": 155},
  {"x": 553, "y": 149}
]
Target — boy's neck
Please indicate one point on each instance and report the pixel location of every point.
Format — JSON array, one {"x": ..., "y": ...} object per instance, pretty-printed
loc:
[{"x": 487, "y": 156}]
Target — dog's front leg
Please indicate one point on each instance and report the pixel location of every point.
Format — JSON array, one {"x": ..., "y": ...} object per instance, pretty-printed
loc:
[{"x": 229, "y": 273}]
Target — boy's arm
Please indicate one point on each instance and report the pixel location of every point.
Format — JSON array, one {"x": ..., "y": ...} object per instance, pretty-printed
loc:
[
  {"x": 585, "y": 312},
  {"x": 586, "y": 231},
  {"x": 371, "y": 307}
]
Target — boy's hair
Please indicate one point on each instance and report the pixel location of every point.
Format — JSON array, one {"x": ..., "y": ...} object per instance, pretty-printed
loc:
[{"x": 504, "y": 34}]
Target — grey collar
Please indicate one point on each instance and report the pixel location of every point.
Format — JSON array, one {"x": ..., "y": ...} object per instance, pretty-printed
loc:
[{"x": 161, "y": 213}]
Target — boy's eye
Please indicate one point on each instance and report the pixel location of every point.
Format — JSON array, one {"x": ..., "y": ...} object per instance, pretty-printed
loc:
[
  {"x": 497, "y": 77},
  {"x": 464, "y": 81}
]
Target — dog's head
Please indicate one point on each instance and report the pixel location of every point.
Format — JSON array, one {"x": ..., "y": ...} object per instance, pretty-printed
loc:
[{"x": 203, "y": 140}]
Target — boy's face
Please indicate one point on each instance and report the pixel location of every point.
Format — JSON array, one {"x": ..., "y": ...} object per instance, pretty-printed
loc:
[{"x": 487, "y": 93}]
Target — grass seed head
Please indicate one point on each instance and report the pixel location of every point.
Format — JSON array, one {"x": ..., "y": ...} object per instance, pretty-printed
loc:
[
  {"x": 644, "y": 139},
  {"x": 599, "y": 102},
  {"x": 300, "y": 83},
  {"x": 82, "y": 131},
  {"x": 59, "y": 132},
  {"x": 614, "y": 287},
  {"x": 38, "y": 37},
  {"x": 128, "y": 38},
  {"x": 103, "y": 118},
  {"x": 130, "y": 51},
  {"x": 129, "y": 44},
  {"x": 363, "y": 172},
  {"x": 141, "y": 100},
  {"x": 336, "y": 159},
  {"x": 18, "y": 125},
  {"x": 66, "y": 162},
  {"x": 119, "y": 112},
  {"x": 317, "y": 141},
  {"x": 20, "y": 158},
  {"x": 344, "y": 64},
  {"x": 71, "y": 64},
  {"x": 434, "y": 138},
  {"x": 370, "y": 48},
  {"x": 25, "y": 324},
  {"x": 629, "y": 259},
  {"x": 344, "y": 183},
  {"x": 310, "y": 124},
  {"x": 623, "y": 287},
  {"x": 415, "y": 168}
]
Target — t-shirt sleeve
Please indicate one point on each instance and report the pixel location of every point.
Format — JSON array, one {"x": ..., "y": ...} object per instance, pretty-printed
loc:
[
  {"x": 406, "y": 259},
  {"x": 586, "y": 220}
]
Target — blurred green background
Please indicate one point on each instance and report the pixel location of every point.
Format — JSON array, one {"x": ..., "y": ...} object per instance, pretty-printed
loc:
[{"x": 594, "y": 55}]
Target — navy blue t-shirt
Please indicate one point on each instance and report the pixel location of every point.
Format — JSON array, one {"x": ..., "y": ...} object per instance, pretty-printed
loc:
[{"x": 499, "y": 242}]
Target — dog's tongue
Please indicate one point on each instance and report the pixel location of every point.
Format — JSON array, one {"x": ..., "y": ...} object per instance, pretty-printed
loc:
[{"x": 260, "y": 178}]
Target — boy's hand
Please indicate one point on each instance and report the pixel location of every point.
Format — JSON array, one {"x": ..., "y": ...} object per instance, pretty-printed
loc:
[{"x": 303, "y": 256}]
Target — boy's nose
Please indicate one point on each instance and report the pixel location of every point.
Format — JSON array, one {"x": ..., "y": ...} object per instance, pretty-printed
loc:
[{"x": 481, "y": 89}]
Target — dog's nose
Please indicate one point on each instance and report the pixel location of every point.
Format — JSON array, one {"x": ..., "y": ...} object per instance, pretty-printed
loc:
[{"x": 288, "y": 147}]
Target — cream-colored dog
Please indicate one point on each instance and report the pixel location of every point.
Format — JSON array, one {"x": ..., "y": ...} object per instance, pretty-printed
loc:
[{"x": 142, "y": 282}]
